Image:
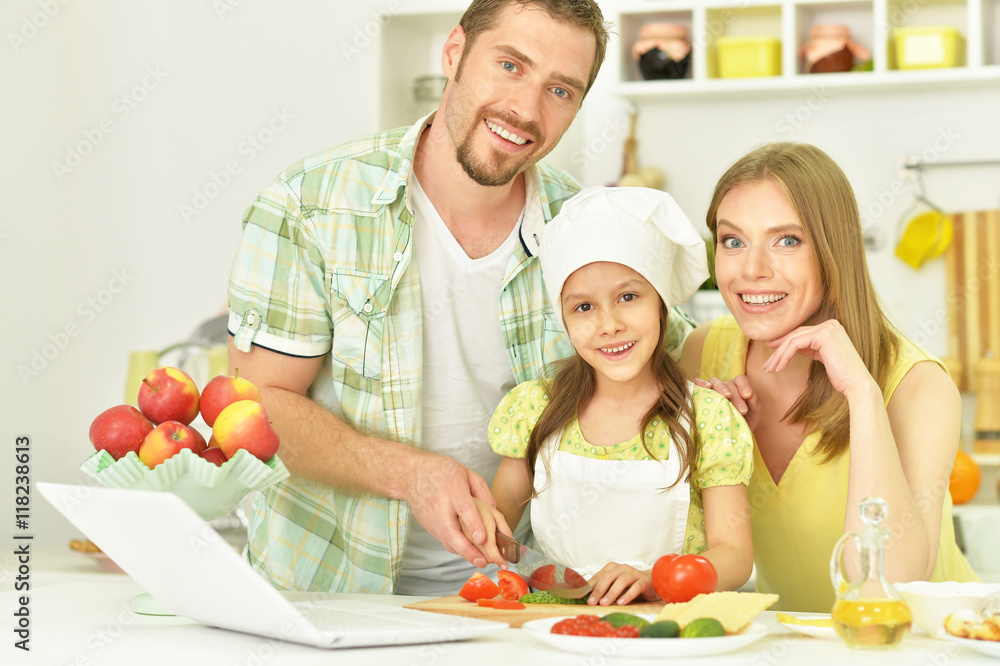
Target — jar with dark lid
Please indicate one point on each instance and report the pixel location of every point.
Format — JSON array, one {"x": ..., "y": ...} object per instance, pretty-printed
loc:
[
  {"x": 831, "y": 49},
  {"x": 663, "y": 51}
]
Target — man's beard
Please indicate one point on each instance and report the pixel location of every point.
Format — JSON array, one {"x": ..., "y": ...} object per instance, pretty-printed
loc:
[{"x": 483, "y": 173}]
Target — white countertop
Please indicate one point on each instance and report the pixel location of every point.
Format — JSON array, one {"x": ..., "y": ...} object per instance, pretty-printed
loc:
[{"x": 81, "y": 615}]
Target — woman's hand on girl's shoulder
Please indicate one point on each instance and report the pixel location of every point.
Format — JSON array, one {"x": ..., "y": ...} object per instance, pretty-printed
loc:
[
  {"x": 829, "y": 344},
  {"x": 740, "y": 393},
  {"x": 621, "y": 583}
]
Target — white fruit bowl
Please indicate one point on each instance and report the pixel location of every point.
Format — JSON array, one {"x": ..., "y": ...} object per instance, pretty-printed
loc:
[
  {"x": 931, "y": 603},
  {"x": 211, "y": 490}
]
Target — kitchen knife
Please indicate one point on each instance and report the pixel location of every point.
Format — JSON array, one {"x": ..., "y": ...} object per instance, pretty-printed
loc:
[{"x": 541, "y": 572}]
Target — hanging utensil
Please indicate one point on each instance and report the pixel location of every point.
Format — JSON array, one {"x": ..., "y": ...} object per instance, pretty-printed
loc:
[{"x": 926, "y": 235}]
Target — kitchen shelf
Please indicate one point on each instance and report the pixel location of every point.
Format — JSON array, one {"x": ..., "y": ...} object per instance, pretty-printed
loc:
[
  {"x": 871, "y": 23},
  {"x": 986, "y": 459},
  {"x": 410, "y": 47}
]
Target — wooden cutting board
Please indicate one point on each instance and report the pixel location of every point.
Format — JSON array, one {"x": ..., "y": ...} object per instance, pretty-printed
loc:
[{"x": 456, "y": 605}]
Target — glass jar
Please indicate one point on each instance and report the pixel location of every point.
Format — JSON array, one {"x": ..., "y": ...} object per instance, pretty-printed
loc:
[
  {"x": 869, "y": 613},
  {"x": 427, "y": 93},
  {"x": 831, "y": 49},
  {"x": 663, "y": 51}
]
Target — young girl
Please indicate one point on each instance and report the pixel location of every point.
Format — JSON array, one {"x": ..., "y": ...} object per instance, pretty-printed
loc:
[{"x": 624, "y": 461}]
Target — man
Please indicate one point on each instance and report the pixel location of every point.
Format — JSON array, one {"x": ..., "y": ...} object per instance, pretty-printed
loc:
[{"x": 385, "y": 297}]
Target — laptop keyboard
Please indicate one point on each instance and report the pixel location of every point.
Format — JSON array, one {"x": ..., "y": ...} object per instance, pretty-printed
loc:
[{"x": 331, "y": 619}]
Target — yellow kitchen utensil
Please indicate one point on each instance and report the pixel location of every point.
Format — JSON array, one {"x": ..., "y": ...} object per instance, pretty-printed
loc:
[
  {"x": 785, "y": 618},
  {"x": 925, "y": 237}
]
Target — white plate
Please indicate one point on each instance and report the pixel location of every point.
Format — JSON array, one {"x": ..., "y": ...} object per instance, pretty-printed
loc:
[
  {"x": 807, "y": 630},
  {"x": 643, "y": 647},
  {"x": 989, "y": 648}
]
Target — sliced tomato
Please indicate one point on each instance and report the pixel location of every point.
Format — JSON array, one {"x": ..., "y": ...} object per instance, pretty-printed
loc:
[
  {"x": 512, "y": 586},
  {"x": 479, "y": 586},
  {"x": 543, "y": 576},
  {"x": 573, "y": 579},
  {"x": 487, "y": 603},
  {"x": 507, "y": 604}
]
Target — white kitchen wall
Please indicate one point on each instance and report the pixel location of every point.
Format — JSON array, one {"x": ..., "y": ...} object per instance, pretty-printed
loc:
[
  {"x": 134, "y": 135},
  {"x": 152, "y": 101}
]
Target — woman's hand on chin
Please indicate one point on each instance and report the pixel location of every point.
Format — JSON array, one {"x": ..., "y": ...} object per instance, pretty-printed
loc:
[{"x": 829, "y": 344}]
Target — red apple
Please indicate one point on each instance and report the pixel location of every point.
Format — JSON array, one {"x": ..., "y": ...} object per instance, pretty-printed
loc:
[
  {"x": 199, "y": 440},
  {"x": 244, "y": 425},
  {"x": 214, "y": 454},
  {"x": 167, "y": 439},
  {"x": 119, "y": 430},
  {"x": 169, "y": 394},
  {"x": 223, "y": 391}
]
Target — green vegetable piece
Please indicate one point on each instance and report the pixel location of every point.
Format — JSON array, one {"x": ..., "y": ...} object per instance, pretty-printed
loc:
[
  {"x": 661, "y": 629},
  {"x": 621, "y": 619},
  {"x": 705, "y": 627},
  {"x": 548, "y": 598}
]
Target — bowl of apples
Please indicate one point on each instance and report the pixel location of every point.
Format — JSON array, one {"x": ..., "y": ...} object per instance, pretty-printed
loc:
[{"x": 155, "y": 447}]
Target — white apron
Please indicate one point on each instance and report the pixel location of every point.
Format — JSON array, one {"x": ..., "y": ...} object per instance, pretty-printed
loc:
[{"x": 600, "y": 511}]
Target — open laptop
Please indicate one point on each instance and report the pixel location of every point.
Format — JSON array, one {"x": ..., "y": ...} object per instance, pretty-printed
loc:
[{"x": 156, "y": 538}]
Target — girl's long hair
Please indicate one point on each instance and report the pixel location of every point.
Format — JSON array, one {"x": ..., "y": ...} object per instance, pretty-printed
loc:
[
  {"x": 821, "y": 195},
  {"x": 571, "y": 384}
]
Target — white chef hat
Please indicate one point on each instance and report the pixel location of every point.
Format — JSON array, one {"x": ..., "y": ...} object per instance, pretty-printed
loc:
[{"x": 637, "y": 227}]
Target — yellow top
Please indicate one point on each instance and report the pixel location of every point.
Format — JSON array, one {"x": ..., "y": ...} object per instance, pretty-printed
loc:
[{"x": 797, "y": 522}]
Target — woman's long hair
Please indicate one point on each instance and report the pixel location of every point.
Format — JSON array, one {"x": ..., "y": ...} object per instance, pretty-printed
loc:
[
  {"x": 821, "y": 196},
  {"x": 571, "y": 385}
]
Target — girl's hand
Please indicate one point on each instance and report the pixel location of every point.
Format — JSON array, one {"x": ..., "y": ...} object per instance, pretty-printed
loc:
[
  {"x": 827, "y": 343},
  {"x": 493, "y": 520},
  {"x": 739, "y": 392},
  {"x": 621, "y": 582}
]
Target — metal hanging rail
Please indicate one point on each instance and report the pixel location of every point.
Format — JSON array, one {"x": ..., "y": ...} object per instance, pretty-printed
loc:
[{"x": 919, "y": 165}]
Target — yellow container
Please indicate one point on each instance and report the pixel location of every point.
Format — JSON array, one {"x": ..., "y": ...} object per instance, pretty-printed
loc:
[
  {"x": 741, "y": 57},
  {"x": 928, "y": 47}
]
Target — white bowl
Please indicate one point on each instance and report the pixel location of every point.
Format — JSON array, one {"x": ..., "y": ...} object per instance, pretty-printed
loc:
[
  {"x": 931, "y": 603},
  {"x": 211, "y": 490}
]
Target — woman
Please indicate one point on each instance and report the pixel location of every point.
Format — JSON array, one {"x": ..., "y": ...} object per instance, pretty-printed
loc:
[{"x": 842, "y": 406}]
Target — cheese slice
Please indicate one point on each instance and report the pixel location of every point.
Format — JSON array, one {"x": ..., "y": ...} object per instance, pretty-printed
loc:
[
  {"x": 733, "y": 610},
  {"x": 785, "y": 618}
]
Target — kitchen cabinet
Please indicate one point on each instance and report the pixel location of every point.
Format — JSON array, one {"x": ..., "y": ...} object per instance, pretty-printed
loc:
[
  {"x": 871, "y": 22},
  {"x": 410, "y": 47}
]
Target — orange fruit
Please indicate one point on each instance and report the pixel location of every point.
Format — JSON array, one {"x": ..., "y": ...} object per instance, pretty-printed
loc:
[{"x": 965, "y": 477}]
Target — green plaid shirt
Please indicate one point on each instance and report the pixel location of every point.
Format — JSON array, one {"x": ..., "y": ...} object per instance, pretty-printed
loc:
[{"x": 324, "y": 269}]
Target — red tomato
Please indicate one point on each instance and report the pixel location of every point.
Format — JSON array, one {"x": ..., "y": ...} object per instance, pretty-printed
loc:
[
  {"x": 479, "y": 587},
  {"x": 543, "y": 576},
  {"x": 591, "y": 625},
  {"x": 512, "y": 586},
  {"x": 573, "y": 579},
  {"x": 487, "y": 603},
  {"x": 679, "y": 578},
  {"x": 507, "y": 604}
]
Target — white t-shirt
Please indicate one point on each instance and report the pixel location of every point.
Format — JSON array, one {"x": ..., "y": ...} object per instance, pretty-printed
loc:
[{"x": 466, "y": 372}]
